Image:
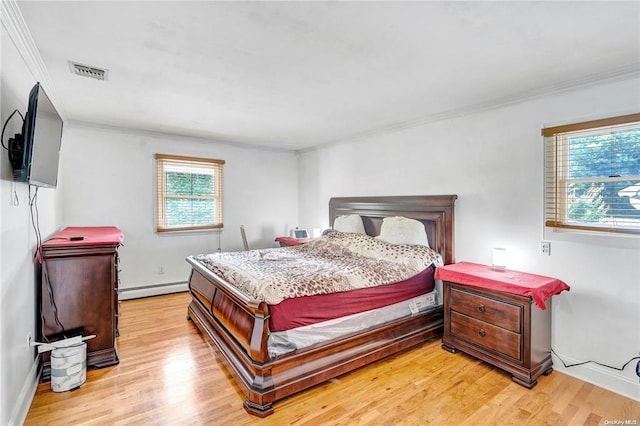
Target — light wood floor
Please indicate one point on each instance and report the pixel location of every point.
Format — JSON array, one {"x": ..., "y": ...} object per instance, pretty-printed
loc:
[{"x": 168, "y": 375}]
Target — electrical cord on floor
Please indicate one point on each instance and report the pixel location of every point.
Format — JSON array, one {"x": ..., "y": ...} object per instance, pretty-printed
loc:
[{"x": 603, "y": 365}]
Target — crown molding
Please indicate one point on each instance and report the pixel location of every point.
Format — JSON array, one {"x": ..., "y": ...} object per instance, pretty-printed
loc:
[
  {"x": 622, "y": 73},
  {"x": 172, "y": 135},
  {"x": 13, "y": 22}
]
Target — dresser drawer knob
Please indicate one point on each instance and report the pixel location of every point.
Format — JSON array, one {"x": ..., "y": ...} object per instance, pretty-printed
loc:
[
  {"x": 482, "y": 333},
  {"x": 480, "y": 308}
]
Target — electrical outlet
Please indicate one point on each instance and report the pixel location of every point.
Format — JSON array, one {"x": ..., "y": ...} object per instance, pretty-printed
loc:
[
  {"x": 545, "y": 248},
  {"x": 160, "y": 270},
  {"x": 29, "y": 341}
]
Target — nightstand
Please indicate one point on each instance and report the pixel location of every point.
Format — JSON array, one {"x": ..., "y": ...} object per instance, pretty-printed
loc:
[{"x": 500, "y": 317}]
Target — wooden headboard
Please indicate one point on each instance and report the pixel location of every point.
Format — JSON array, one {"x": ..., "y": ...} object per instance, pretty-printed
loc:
[{"x": 434, "y": 211}]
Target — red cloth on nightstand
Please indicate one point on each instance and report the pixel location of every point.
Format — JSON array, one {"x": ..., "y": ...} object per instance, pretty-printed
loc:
[
  {"x": 290, "y": 241},
  {"x": 538, "y": 287}
]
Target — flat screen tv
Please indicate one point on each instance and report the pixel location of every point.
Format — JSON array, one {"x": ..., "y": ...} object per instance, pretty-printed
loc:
[{"x": 36, "y": 154}]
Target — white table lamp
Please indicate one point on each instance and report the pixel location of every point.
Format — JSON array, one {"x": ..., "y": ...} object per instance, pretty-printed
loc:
[{"x": 499, "y": 259}]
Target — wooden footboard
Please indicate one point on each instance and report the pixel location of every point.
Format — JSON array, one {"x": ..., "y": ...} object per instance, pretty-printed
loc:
[
  {"x": 246, "y": 322},
  {"x": 265, "y": 382},
  {"x": 238, "y": 327}
]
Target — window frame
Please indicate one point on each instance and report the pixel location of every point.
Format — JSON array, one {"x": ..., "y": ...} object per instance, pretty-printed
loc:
[
  {"x": 555, "y": 188},
  {"x": 215, "y": 166}
]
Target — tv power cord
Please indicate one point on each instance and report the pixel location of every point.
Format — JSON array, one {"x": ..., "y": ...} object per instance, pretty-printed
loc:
[{"x": 5, "y": 127}]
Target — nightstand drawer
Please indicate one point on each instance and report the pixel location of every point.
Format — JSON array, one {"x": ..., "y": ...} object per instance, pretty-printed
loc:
[
  {"x": 488, "y": 310},
  {"x": 487, "y": 335}
]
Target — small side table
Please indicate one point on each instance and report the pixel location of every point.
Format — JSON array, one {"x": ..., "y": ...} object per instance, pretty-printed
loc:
[
  {"x": 500, "y": 317},
  {"x": 290, "y": 241}
]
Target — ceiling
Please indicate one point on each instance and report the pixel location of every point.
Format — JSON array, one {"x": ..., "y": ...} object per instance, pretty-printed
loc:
[{"x": 293, "y": 75}]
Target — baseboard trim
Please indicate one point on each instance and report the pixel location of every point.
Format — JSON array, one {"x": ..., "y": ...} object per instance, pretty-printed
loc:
[
  {"x": 28, "y": 391},
  {"x": 599, "y": 376},
  {"x": 151, "y": 290}
]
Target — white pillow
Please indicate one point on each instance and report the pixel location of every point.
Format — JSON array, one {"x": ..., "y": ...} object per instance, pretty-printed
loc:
[
  {"x": 349, "y": 223},
  {"x": 402, "y": 230}
]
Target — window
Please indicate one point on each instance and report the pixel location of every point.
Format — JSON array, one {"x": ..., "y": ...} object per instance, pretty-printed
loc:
[
  {"x": 189, "y": 193},
  {"x": 592, "y": 175}
]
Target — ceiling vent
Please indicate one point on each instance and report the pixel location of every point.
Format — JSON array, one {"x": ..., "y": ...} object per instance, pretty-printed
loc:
[{"x": 88, "y": 71}]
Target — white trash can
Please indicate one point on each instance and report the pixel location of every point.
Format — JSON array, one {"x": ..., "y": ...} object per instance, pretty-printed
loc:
[{"x": 68, "y": 367}]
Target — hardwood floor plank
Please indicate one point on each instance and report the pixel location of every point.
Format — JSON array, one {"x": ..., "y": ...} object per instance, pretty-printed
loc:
[{"x": 169, "y": 375}]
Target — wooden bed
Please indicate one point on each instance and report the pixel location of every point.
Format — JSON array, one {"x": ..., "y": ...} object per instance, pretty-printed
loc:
[{"x": 239, "y": 327}]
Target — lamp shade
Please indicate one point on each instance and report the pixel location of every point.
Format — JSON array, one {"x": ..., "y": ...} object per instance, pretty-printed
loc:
[{"x": 499, "y": 259}]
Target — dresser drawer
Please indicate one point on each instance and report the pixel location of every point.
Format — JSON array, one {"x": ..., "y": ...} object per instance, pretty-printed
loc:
[
  {"x": 492, "y": 311},
  {"x": 481, "y": 333}
]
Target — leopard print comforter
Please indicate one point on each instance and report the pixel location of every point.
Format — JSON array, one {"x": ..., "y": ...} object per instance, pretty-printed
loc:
[{"x": 334, "y": 262}]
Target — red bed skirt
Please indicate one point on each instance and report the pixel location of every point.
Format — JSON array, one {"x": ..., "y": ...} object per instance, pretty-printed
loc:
[{"x": 292, "y": 313}]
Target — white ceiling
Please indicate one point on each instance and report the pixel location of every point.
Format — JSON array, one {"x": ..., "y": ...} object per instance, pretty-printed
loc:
[{"x": 291, "y": 75}]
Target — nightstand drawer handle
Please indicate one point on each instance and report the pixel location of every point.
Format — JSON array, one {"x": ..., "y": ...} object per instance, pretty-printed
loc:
[
  {"x": 480, "y": 308},
  {"x": 482, "y": 333}
]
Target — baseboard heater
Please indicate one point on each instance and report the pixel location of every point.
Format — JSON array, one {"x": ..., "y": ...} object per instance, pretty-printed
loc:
[{"x": 151, "y": 290}]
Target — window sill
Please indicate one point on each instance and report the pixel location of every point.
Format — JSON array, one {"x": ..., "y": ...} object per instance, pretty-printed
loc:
[
  {"x": 607, "y": 239},
  {"x": 170, "y": 232}
]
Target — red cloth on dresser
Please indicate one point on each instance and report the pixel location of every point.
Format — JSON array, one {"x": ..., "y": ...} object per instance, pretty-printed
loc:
[
  {"x": 91, "y": 235},
  {"x": 538, "y": 287}
]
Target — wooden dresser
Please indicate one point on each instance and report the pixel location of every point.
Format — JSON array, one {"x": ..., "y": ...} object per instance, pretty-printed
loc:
[
  {"x": 487, "y": 318},
  {"x": 79, "y": 282}
]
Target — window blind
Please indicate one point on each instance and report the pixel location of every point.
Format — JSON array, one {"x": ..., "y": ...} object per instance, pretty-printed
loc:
[
  {"x": 592, "y": 175},
  {"x": 189, "y": 193}
]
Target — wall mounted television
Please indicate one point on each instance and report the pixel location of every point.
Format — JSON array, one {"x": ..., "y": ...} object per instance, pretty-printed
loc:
[{"x": 35, "y": 154}]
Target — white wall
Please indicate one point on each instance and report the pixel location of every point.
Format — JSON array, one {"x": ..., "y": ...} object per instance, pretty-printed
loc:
[
  {"x": 110, "y": 180},
  {"x": 493, "y": 161},
  {"x": 111, "y": 174},
  {"x": 18, "y": 367}
]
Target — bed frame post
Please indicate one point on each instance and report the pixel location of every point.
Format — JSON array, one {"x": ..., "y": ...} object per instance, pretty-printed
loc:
[
  {"x": 259, "y": 333},
  {"x": 258, "y": 410}
]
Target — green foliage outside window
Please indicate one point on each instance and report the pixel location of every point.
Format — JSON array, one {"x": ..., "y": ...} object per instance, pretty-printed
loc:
[
  {"x": 586, "y": 205},
  {"x": 180, "y": 183},
  {"x": 600, "y": 156},
  {"x": 189, "y": 199}
]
